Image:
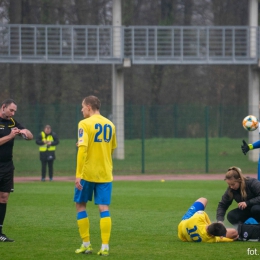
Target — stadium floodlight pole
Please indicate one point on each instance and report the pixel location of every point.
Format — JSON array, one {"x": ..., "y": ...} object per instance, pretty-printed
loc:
[
  {"x": 253, "y": 75},
  {"x": 118, "y": 83}
]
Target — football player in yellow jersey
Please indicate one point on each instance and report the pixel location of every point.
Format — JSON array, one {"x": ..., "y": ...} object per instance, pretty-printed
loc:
[
  {"x": 197, "y": 227},
  {"x": 96, "y": 143}
]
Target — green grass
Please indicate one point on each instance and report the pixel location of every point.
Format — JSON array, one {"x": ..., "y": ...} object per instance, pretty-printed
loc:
[
  {"x": 41, "y": 217},
  {"x": 161, "y": 156}
]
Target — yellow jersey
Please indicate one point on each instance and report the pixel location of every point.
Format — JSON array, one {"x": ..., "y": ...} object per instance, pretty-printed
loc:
[
  {"x": 96, "y": 141},
  {"x": 194, "y": 229}
]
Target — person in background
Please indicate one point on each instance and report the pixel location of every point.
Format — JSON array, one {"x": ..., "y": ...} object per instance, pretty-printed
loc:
[
  {"x": 196, "y": 226},
  {"x": 9, "y": 129},
  {"x": 96, "y": 143},
  {"x": 47, "y": 140},
  {"x": 245, "y": 191}
]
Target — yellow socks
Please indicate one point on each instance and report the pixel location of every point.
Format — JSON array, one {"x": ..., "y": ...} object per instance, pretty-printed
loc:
[
  {"x": 83, "y": 224},
  {"x": 105, "y": 226}
]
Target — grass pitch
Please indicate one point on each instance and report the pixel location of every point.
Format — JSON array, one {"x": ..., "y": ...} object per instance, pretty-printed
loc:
[{"x": 41, "y": 217}]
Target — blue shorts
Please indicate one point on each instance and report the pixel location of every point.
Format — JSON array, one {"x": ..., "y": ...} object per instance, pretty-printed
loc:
[
  {"x": 196, "y": 206},
  {"x": 102, "y": 192}
]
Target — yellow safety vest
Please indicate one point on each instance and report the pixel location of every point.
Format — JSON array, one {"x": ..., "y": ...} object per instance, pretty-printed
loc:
[{"x": 44, "y": 148}]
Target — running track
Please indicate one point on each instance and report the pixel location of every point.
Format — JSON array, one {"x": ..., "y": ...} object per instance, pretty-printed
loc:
[{"x": 142, "y": 177}]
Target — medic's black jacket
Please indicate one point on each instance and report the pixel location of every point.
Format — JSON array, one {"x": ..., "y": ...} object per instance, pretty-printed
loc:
[{"x": 253, "y": 197}]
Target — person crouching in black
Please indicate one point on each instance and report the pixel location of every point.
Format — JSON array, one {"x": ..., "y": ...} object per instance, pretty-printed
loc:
[{"x": 245, "y": 191}]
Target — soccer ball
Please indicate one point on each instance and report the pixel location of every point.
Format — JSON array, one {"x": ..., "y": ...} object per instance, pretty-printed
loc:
[{"x": 250, "y": 123}]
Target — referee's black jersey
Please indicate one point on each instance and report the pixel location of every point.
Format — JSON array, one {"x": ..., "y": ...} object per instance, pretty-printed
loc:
[{"x": 6, "y": 150}]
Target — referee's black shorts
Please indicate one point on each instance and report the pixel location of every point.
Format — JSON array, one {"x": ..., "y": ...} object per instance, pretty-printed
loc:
[{"x": 7, "y": 182}]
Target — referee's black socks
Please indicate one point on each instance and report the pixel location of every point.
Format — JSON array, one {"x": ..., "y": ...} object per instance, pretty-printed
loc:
[{"x": 2, "y": 215}]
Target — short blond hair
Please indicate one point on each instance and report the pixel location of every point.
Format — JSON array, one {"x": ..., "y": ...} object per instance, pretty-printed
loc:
[{"x": 92, "y": 101}]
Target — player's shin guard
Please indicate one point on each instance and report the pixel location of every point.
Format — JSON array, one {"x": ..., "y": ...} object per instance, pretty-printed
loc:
[
  {"x": 83, "y": 224},
  {"x": 105, "y": 226}
]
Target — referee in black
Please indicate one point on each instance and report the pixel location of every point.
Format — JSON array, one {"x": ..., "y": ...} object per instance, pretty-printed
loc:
[{"x": 9, "y": 129}]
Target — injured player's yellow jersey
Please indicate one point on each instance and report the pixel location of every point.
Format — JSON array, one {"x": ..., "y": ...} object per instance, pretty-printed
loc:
[{"x": 195, "y": 229}]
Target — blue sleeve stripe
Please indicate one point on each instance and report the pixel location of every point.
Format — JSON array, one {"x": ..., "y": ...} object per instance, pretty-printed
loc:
[
  {"x": 104, "y": 214},
  {"x": 256, "y": 144},
  {"x": 81, "y": 215},
  {"x": 198, "y": 205}
]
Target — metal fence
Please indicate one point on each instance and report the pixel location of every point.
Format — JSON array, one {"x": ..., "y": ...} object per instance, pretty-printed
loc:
[
  {"x": 161, "y": 121},
  {"x": 140, "y": 44},
  {"x": 169, "y": 138}
]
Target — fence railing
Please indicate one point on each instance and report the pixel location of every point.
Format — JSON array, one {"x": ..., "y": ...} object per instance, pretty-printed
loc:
[
  {"x": 140, "y": 44},
  {"x": 192, "y": 45},
  {"x": 60, "y": 44}
]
